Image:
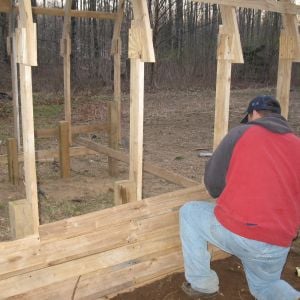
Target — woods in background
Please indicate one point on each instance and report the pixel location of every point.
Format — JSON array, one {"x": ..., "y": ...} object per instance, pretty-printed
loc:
[{"x": 184, "y": 36}]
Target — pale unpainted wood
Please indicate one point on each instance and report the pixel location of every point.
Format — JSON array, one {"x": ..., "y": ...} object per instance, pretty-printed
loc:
[
  {"x": 12, "y": 159},
  {"x": 284, "y": 84},
  {"x": 20, "y": 218},
  {"x": 46, "y": 276},
  {"x": 230, "y": 27},
  {"x": 222, "y": 89},
  {"x": 123, "y": 191},
  {"x": 64, "y": 149},
  {"x": 28, "y": 143},
  {"x": 268, "y": 5},
  {"x": 136, "y": 125},
  {"x": 105, "y": 239},
  {"x": 142, "y": 33},
  {"x": 101, "y": 219},
  {"x": 148, "y": 167},
  {"x": 117, "y": 28},
  {"x": 28, "y": 50}
]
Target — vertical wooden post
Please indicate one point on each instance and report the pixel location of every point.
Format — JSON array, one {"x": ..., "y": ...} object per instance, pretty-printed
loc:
[
  {"x": 115, "y": 112},
  {"x": 64, "y": 149},
  {"x": 13, "y": 163},
  {"x": 12, "y": 51},
  {"x": 136, "y": 124},
  {"x": 65, "y": 52},
  {"x": 289, "y": 51},
  {"x": 229, "y": 51},
  {"x": 222, "y": 90},
  {"x": 115, "y": 107}
]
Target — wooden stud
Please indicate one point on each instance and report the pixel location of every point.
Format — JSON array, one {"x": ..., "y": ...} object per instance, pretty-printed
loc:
[
  {"x": 20, "y": 218},
  {"x": 65, "y": 51},
  {"x": 140, "y": 35},
  {"x": 27, "y": 54},
  {"x": 28, "y": 142},
  {"x": 64, "y": 149},
  {"x": 13, "y": 163},
  {"x": 222, "y": 90}
]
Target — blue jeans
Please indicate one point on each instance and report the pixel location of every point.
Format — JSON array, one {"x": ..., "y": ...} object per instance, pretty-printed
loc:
[{"x": 262, "y": 262}]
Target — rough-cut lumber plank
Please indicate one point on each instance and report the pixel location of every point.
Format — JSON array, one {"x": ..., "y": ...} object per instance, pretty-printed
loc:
[
  {"x": 77, "y": 129},
  {"x": 269, "y": 5},
  {"x": 43, "y": 277},
  {"x": 19, "y": 218},
  {"x": 57, "y": 252},
  {"x": 222, "y": 89},
  {"x": 148, "y": 167},
  {"x": 136, "y": 126},
  {"x": 27, "y": 117},
  {"x": 149, "y": 207},
  {"x": 64, "y": 149},
  {"x": 230, "y": 26},
  {"x": 140, "y": 36},
  {"x": 13, "y": 163},
  {"x": 122, "y": 192},
  {"x": 283, "y": 85}
]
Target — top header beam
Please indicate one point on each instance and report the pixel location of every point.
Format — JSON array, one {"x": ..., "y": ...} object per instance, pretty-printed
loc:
[
  {"x": 59, "y": 12},
  {"x": 268, "y": 5}
]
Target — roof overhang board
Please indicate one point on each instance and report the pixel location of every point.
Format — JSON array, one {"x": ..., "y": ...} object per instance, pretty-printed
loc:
[
  {"x": 230, "y": 28},
  {"x": 268, "y": 5},
  {"x": 140, "y": 33}
]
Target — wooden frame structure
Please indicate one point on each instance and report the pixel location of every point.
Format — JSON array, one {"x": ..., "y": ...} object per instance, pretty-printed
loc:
[{"x": 97, "y": 255}]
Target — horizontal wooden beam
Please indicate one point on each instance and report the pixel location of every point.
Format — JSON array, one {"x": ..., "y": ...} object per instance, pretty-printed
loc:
[
  {"x": 148, "y": 167},
  {"x": 59, "y": 12},
  {"x": 76, "y": 129},
  {"x": 68, "y": 228},
  {"x": 50, "y": 155},
  {"x": 268, "y": 5},
  {"x": 75, "y": 255}
]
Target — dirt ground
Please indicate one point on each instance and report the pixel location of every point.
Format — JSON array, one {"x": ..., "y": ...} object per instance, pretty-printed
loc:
[{"x": 178, "y": 125}]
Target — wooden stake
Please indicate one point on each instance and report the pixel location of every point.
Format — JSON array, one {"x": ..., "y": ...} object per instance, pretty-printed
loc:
[
  {"x": 20, "y": 218},
  {"x": 64, "y": 149},
  {"x": 123, "y": 192},
  {"x": 13, "y": 164}
]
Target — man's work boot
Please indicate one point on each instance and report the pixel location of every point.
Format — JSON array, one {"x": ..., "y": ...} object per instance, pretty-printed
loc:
[{"x": 193, "y": 294}]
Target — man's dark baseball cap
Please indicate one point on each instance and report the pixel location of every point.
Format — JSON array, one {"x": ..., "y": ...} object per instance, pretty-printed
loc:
[{"x": 263, "y": 102}]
